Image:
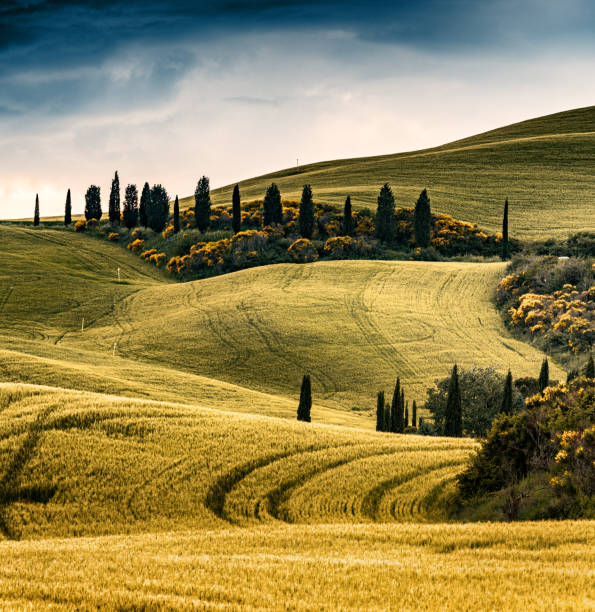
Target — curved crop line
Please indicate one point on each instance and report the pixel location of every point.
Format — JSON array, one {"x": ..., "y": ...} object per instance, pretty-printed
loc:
[
  {"x": 278, "y": 496},
  {"x": 373, "y": 498}
]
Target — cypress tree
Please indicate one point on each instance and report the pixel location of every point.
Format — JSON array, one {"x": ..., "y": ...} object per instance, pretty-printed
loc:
[
  {"x": 395, "y": 416},
  {"x": 422, "y": 220},
  {"x": 93, "y": 203},
  {"x": 145, "y": 198},
  {"x": 385, "y": 214},
  {"x": 406, "y": 415},
  {"x": 414, "y": 415},
  {"x": 236, "y": 222},
  {"x": 453, "y": 425},
  {"x": 305, "y": 404},
  {"x": 347, "y": 225},
  {"x": 380, "y": 411},
  {"x": 402, "y": 410},
  {"x": 387, "y": 418},
  {"x": 68, "y": 209},
  {"x": 158, "y": 209},
  {"x": 544, "y": 375},
  {"x": 505, "y": 248},
  {"x": 36, "y": 211},
  {"x": 130, "y": 211},
  {"x": 507, "y": 396},
  {"x": 590, "y": 368},
  {"x": 176, "y": 215},
  {"x": 272, "y": 211},
  {"x": 114, "y": 201},
  {"x": 202, "y": 204},
  {"x": 306, "y": 219}
]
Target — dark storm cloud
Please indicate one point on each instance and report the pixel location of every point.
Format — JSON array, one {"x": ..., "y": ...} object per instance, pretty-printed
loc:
[{"x": 53, "y": 53}]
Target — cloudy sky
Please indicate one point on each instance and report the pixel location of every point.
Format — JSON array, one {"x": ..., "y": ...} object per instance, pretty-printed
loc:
[{"x": 166, "y": 92}]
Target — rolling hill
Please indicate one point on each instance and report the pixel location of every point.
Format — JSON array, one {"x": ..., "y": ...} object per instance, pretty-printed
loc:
[
  {"x": 215, "y": 509},
  {"x": 242, "y": 341},
  {"x": 544, "y": 166}
]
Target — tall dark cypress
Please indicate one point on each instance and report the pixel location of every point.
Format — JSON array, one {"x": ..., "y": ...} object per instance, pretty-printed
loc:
[
  {"x": 347, "y": 225},
  {"x": 380, "y": 411},
  {"x": 589, "y": 371},
  {"x": 68, "y": 209},
  {"x": 422, "y": 220},
  {"x": 402, "y": 410},
  {"x": 236, "y": 210},
  {"x": 93, "y": 203},
  {"x": 453, "y": 424},
  {"x": 306, "y": 219},
  {"x": 158, "y": 209},
  {"x": 395, "y": 409},
  {"x": 387, "y": 417},
  {"x": 145, "y": 198},
  {"x": 130, "y": 209},
  {"x": 406, "y": 415},
  {"x": 414, "y": 415},
  {"x": 114, "y": 201},
  {"x": 507, "y": 395},
  {"x": 36, "y": 211},
  {"x": 544, "y": 375},
  {"x": 176, "y": 215},
  {"x": 305, "y": 405},
  {"x": 505, "y": 247},
  {"x": 272, "y": 211},
  {"x": 385, "y": 214},
  {"x": 202, "y": 204}
]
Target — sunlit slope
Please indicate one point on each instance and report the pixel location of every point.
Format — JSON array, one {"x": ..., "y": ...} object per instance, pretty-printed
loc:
[
  {"x": 512, "y": 566},
  {"x": 545, "y": 166},
  {"x": 353, "y": 325},
  {"x": 51, "y": 281},
  {"x": 74, "y": 463}
]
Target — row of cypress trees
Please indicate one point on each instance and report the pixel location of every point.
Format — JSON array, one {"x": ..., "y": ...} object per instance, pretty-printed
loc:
[{"x": 394, "y": 417}]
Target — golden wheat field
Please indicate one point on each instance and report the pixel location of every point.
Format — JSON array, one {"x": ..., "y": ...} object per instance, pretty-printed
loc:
[
  {"x": 244, "y": 340},
  {"x": 532, "y": 566}
]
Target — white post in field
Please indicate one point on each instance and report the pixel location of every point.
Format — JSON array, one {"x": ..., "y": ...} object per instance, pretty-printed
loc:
[
  {"x": 118, "y": 273},
  {"x": 83, "y": 325}
]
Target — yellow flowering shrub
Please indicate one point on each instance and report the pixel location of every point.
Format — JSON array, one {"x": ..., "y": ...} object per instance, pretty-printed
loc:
[
  {"x": 168, "y": 231},
  {"x": 157, "y": 259},
  {"x": 136, "y": 245},
  {"x": 113, "y": 236},
  {"x": 303, "y": 251},
  {"x": 80, "y": 226}
]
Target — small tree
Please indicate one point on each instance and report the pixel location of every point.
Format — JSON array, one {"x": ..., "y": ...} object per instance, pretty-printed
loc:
[
  {"x": 380, "y": 411},
  {"x": 236, "y": 210},
  {"x": 507, "y": 396},
  {"x": 202, "y": 204},
  {"x": 414, "y": 414},
  {"x": 130, "y": 212},
  {"x": 385, "y": 214},
  {"x": 422, "y": 220},
  {"x": 176, "y": 215},
  {"x": 36, "y": 211},
  {"x": 406, "y": 420},
  {"x": 589, "y": 370},
  {"x": 158, "y": 209},
  {"x": 306, "y": 219},
  {"x": 544, "y": 375},
  {"x": 145, "y": 199},
  {"x": 453, "y": 425},
  {"x": 505, "y": 247},
  {"x": 114, "y": 201},
  {"x": 347, "y": 225},
  {"x": 305, "y": 405},
  {"x": 68, "y": 209},
  {"x": 93, "y": 203}
]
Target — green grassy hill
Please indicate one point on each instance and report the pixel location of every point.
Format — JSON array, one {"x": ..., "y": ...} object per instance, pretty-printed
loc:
[
  {"x": 242, "y": 341},
  {"x": 545, "y": 166}
]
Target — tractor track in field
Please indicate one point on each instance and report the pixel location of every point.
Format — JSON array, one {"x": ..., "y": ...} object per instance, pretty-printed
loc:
[
  {"x": 9, "y": 483},
  {"x": 373, "y": 334}
]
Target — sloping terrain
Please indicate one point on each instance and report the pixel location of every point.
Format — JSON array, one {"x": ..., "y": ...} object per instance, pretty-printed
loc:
[
  {"x": 76, "y": 463},
  {"x": 545, "y": 166},
  {"x": 243, "y": 341}
]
